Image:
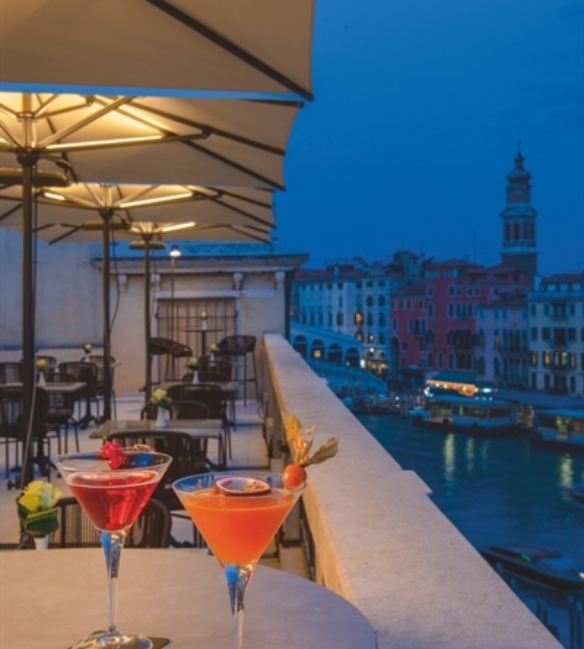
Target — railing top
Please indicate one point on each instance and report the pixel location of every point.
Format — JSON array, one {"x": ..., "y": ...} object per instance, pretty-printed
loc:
[{"x": 383, "y": 545}]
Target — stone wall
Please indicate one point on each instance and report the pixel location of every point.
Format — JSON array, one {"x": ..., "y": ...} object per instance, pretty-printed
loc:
[{"x": 383, "y": 545}]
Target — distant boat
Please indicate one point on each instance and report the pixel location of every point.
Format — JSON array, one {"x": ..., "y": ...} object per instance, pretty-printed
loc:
[
  {"x": 562, "y": 429},
  {"x": 547, "y": 567},
  {"x": 576, "y": 492},
  {"x": 468, "y": 415}
]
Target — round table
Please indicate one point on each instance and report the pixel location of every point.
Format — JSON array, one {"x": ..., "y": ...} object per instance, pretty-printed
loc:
[{"x": 50, "y": 599}]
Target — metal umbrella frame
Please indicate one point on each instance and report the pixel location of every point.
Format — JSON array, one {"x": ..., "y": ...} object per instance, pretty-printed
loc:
[
  {"x": 119, "y": 206},
  {"x": 261, "y": 46},
  {"x": 55, "y": 137}
]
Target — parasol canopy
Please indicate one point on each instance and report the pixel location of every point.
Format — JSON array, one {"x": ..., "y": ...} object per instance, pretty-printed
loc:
[{"x": 247, "y": 45}]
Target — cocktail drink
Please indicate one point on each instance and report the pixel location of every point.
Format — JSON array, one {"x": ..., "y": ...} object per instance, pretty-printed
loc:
[
  {"x": 238, "y": 514},
  {"x": 113, "y": 488}
]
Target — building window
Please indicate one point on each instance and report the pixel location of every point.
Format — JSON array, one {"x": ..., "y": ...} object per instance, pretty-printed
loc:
[
  {"x": 451, "y": 310},
  {"x": 533, "y": 309},
  {"x": 381, "y": 283},
  {"x": 430, "y": 310},
  {"x": 546, "y": 309},
  {"x": 369, "y": 301},
  {"x": 369, "y": 319},
  {"x": 382, "y": 339},
  {"x": 533, "y": 333},
  {"x": 533, "y": 359},
  {"x": 382, "y": 320},
  {"x": 546, "y": 333},
  {"x": 546, "y": 359},
  {"x": 440, "y": 360},
  {"x": 359, "y": 336},
  {"x": 394, "y": 326},
  {"x": 572, "y": 361},
  {"x": 370, "y": 338},
  {"x": 572, "y": 333},
  {"x": 404, "y": 347},
  {"x": 358, "y": 318},
  {"x": 546, "y": 381},
  {"x": 381, "y": 300},
  {"x": 339, "y": 319},
  {"x": 430, "y": 361},
  {"x": 430, "y": 291}
]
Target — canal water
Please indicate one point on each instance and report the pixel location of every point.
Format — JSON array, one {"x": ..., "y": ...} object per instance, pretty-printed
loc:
[{"x": 498, "y": 491}]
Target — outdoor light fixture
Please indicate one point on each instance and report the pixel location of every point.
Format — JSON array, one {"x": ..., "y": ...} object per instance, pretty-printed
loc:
[
  {"x": 175, "y": 252},
  {"x": 178, "y": 226},
  {"x": 153, "y": 201},
  {"x": 71, "y": 146},
  {"x": 56, "y": 197}
]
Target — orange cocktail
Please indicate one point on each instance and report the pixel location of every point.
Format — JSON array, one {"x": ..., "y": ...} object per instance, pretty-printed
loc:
[
  {"x": 238, "y": 528},
  {"x": 238, "y": 514}
]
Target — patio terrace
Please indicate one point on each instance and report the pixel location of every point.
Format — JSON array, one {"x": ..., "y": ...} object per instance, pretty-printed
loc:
[{"x": 378, "y": 540}]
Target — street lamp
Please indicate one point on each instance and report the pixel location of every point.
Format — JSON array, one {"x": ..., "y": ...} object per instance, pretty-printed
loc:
[{"x": 174, "y": 253}]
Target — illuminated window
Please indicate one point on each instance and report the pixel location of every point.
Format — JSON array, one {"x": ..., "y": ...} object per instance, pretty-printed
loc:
[{"x": 358, "y": 318}]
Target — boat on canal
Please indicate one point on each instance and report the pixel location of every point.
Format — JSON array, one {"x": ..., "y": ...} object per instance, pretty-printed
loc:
[
  {"x": 547, "y": 567},
  {"x": 469, "y": 415},
  {"x": 562, "y": 429}
]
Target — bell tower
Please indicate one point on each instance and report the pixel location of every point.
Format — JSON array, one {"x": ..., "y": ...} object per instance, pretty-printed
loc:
[{"x": 519, "y": 221}]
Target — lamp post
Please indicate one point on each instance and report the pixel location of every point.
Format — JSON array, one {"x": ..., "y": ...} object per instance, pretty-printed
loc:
[{"x": 174, "y": 253}]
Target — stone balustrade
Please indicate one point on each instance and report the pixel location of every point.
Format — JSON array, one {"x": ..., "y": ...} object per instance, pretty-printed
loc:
[{"x": 382, "y": 544}]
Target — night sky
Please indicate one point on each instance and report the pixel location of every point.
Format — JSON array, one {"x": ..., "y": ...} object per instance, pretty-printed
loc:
[{"x": 419, "y": 106}]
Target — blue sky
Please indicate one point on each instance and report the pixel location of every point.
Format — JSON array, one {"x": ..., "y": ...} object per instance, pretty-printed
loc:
[{"x": 418, "y": 109}]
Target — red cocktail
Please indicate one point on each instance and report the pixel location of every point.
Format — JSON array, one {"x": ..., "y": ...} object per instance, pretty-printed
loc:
[{"x": 113, "y": 490}]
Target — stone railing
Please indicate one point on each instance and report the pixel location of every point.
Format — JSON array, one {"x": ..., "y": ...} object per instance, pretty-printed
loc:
[{"x": 382, "y": 544}]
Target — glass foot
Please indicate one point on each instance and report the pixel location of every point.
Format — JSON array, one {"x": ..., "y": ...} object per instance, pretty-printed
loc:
[{"x": 114, "y": 641}]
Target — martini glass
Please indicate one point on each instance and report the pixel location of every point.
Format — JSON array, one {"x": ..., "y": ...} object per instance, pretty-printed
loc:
[
  {"x": 238, "y": 514},
  {"x": 113, "y": 498}
]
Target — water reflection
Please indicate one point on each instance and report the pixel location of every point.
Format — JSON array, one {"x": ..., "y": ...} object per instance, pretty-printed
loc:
[
  {"x": 450, "y": 459},
  {"x": 496, "y": 491}
]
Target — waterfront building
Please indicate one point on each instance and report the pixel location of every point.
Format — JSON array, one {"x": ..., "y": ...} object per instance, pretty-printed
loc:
[
  {"x": 468, "y": 317},
  {"x": 434, "y": 324},
  {"x": 501, "y": 340},
  {"x": 352, "y": 297},
  {"x": 556, "y": 334}
]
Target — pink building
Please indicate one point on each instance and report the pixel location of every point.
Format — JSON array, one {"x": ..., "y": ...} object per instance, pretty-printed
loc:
[{"x": 434, "y": 323}]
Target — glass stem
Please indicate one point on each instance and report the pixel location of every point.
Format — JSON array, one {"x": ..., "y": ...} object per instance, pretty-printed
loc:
[
  {"x": 112, "y": 544},
  {"x": 238, "y": 578}
]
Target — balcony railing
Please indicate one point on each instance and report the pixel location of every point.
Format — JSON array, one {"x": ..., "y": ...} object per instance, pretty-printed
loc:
[{"x": 379, "y": 541}]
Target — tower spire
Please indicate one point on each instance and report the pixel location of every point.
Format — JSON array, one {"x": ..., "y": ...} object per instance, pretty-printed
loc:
[{"x": 519, "y": 241}]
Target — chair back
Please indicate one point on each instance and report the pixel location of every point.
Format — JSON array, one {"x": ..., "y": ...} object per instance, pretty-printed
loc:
[
  {"x": 189, "y": 456},
  {"x": 84, "y": 373},
  {"x": 189, "y": 410},
  {"x": 237, "y": 345},
  {"x": 11, "y": 406},
  {"x": 212, "y": 369},
  {"x": 10, "y": 372},
  {"x": 161, "y": 346},
  {"x": 151, "y": 529},
  {"x": 209, "y": 394},
  {"x": 100, "y": 362}
]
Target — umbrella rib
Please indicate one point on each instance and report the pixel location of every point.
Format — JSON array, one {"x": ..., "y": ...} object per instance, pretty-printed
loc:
[
  {"x": 246, "y": 199},
  {"x": 84, "y": 122},
  {"x": 226, "y": 134},
  {"x": 235, "y": 165},
  {"x": 11, "y": 211},
  {"x": 237, "y": 210},
  {"x": 232, "y": 48}
]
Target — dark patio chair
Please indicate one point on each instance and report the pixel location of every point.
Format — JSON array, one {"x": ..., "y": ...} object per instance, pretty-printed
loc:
[
  {"x": 151, "y": 529},
  {"x": 240, "y": 347},
  {"x": 172, "y": 349},
  {"x": 189, "y": 410},
  {"x": 43, "y": 433},
  {"x": 84, "y": 373},
  {"x": 99, "y": 361},
  {"x": 212, "y": 396},
  {"x": 62, "y": 407},
  {"x": 10, "y": 372}
]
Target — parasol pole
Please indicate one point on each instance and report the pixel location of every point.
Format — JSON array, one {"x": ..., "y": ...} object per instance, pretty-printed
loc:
[
  {"x": 106, "y": 215},
  {"x": 146, "y": 238},
  {"x": 27, "y": 159}
]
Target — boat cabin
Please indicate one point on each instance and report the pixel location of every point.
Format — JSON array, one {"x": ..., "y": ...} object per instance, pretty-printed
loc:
[{"x": 466, "y": 411}]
